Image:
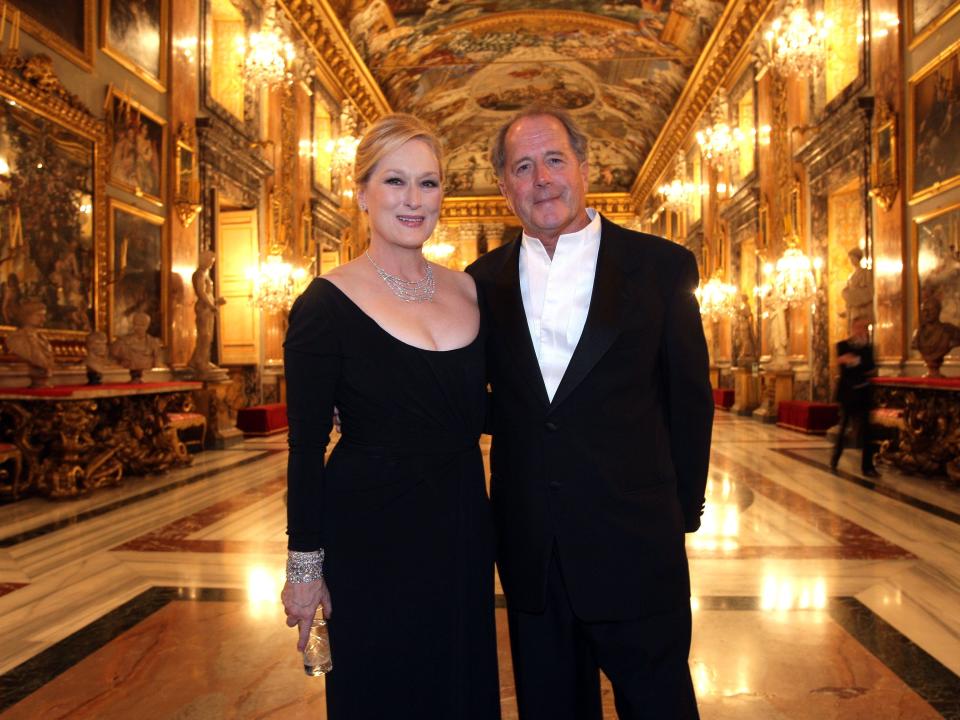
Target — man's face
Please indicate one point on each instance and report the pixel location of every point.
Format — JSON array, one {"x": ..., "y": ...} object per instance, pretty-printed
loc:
[{"x": 543, "y": 181}]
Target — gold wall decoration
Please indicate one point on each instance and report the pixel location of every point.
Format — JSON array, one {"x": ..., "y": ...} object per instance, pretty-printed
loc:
[
  {"x": 186, "y": 190},
  {"x": 933, "y": 126},
  {"x": 339, "y": 60},
  {"x": 884, "y": 170},
  {"x": 844, "y": 45},
  {"x": 71, "y": 138},
  {"x": 763, "y": 225},
  {"x": 226, "y": 35},
  {"x": 618, "y": 207},
  {"x": 731, "y": 39}
]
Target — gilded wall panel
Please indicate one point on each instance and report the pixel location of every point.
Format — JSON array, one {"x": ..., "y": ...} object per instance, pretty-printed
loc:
[
  {"x": 845, "y": 231},
  {"x": 844, "y": 44},
  {"x": 184, "y": 241}
]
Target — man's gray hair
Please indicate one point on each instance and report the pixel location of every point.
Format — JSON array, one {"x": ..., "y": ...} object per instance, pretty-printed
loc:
[{"x": 578, "y": 139}]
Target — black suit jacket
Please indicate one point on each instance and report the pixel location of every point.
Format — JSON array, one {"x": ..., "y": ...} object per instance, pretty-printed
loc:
[{"x": 613, "y": 470}]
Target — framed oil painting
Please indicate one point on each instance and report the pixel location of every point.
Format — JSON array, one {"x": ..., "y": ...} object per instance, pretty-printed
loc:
[
  {"x": 46, "y": 219},
  {"x": 936, "y": 247},
  {"x": 924, "y": 17},
  {"x": 137, "y": 147},
  {"x": 134, "y": 33},
  {"x": 933, "y": 126},
  {"x": 136, "y": 268},
  {"x": 64, "y": 25}
]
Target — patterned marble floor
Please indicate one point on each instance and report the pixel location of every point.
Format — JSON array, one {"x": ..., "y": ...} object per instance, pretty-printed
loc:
[{"x": 816, "y": 596}]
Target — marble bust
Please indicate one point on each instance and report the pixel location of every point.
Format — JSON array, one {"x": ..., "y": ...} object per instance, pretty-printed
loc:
[
  {"x": 98, "y": 357},
  {"x": 30, "y": 346},
  {"x": 138, "y": 351},
  {"x": 934, "y": 338}
]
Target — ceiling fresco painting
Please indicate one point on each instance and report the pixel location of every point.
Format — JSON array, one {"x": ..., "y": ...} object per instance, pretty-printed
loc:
[{"x": 466, "y": 66}]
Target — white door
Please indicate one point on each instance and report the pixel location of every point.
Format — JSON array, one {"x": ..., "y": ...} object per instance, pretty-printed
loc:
[{"x": 238, "y": 250}]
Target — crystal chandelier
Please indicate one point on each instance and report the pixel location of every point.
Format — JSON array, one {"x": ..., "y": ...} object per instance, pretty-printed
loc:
[
  {"x": 343, "y": 149},
  {"x": 276, "y": 284},
  {"x": 719, "y": 142},
  {"x": 796, "y": 45},
  {"x": 791, "y": 281},
  {"x": 717, "y": 299},
  {"x": 679, "y": 193},
  {"x": 438, "y": 248},
  {"x": 269, "y": 55}
]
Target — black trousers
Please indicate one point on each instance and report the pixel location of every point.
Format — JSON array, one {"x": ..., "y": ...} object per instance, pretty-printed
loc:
[
  {"x": 557, "y": 658},
  {"x": 859, "y": 413}
]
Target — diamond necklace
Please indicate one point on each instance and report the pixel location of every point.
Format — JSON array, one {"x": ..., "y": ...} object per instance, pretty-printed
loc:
[{"x": 409, "y": 291}]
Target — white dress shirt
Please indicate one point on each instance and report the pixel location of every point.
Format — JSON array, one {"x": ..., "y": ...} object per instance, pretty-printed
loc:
[{"x": 556, "y": 295}]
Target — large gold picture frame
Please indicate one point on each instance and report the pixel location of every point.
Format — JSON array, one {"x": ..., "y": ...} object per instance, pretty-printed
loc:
[
  {"x": 135, "y": 34},
  {"x": 56, "y": 116},
  {"x": 936, "y": 260},
  {"x": 138, "y": 147},
  {"x": 933, "y": 126},
  {"x": 53, "y": 21},
  {"x": 925, "y": 17}
]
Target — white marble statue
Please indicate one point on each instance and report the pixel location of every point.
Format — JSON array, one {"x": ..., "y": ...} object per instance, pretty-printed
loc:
[
  {"x": 98, "y": 360},
  {"x": 30, "y": 346},
  {"x": 137, "y": 351},
  {"x": 858, "y": 292},
  {"x": 206, "y": 314}
]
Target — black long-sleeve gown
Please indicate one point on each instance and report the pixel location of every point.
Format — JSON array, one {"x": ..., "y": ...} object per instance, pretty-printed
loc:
[{"x": 400, "y": 509}]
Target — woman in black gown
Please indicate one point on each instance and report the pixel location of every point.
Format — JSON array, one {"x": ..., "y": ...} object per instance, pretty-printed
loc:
[{"x": 399, "y": 514}]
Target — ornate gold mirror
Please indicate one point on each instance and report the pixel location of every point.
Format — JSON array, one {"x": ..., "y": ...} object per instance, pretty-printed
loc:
[
  {"x": 884, "y": 170},
  {"x": 52, "y": 211}
]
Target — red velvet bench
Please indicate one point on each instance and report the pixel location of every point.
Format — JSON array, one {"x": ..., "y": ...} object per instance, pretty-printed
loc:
[
  {"x": 261, "y": 420},
  {"x": 723, "y": 398},
  {"x": 814, "y": 418}
]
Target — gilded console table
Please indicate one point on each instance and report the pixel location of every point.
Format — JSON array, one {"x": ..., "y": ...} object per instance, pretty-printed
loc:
[
  {"x": 928, "y": 440},
  {"x": 76, "y": 438}
]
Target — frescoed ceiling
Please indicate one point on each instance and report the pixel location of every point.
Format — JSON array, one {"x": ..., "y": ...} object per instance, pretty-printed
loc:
[{"x": 465, "y": 66}]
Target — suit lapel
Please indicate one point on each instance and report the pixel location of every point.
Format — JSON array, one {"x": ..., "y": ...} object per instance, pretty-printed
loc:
[
  {"x": 604, "y": 316},
  {"x": 506, "y": 304}
]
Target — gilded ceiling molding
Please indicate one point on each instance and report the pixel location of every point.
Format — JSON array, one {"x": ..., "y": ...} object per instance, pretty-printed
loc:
[
  {"x": 731, "y": 39},
  {"x": 560, "y": 19},
  {"x": 493, "y": 208},
  {"x": 317, "y": 23}
]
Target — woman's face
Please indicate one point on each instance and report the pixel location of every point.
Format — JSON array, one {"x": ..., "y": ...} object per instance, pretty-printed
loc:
[{"x": 403, "y": 195}]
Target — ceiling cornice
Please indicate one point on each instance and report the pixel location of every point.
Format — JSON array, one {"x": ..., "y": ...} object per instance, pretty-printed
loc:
[
  {"x": 731, "y": 39},
  {"x": 319, "y": 26}
]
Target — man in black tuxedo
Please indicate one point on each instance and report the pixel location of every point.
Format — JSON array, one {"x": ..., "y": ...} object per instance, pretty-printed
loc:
[{"x": 601, "y": 414}]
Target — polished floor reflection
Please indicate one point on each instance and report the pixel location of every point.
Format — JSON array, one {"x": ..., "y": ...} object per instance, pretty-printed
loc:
[{"x": 815, "y": 595}]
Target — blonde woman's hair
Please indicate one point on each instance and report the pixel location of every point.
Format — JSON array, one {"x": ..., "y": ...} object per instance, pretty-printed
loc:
[{"x": 388, "y": 134}]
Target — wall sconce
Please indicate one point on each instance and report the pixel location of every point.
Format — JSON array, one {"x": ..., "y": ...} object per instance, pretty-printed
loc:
[{"x": 187, "y": 191}]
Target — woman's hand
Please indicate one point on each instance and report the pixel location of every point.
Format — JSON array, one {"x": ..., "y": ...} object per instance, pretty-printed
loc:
[{"x": 300, "y": 602}]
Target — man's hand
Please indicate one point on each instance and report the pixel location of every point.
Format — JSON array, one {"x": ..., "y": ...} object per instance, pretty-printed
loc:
[{"x": 300, "y": 602}]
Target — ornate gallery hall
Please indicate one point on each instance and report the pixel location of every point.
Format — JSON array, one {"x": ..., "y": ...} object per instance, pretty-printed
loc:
[{"x": 174, "y": 173}]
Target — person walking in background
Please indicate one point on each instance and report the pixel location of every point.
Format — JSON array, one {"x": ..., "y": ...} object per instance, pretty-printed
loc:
[{"x": 855, "y": 395}]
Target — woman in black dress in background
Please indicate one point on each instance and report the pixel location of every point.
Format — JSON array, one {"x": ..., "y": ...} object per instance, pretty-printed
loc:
[{"x": 399, "y": 515}]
